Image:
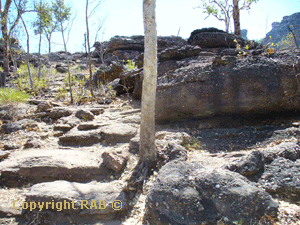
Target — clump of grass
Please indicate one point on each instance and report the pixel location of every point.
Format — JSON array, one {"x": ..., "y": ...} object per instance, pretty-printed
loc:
[
  {"x": 22, "y": 82},
  {"x": 13, "y": 96},
  {"x": 194, "y": 144}
]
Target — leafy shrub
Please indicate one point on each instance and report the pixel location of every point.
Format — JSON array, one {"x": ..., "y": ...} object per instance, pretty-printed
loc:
[{"x": 130, "y": 64}]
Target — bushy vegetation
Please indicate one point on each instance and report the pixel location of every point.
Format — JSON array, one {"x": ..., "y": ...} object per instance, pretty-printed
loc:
[
  {"x": 22, "y": 82},
  {"x": 12, "y": 96},
  {"x": 287, "y": 41}
]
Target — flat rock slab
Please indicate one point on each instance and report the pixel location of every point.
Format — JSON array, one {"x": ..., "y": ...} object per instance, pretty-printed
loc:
[
  {"x": 39, "y": 166},
  {"x": 8, "y": 198},
  {"x": 282, "y": 178},
  {"x": 93, "y": 200},
  {"x": 118, "y": 133},
  {"x": 81, "y": 138}
]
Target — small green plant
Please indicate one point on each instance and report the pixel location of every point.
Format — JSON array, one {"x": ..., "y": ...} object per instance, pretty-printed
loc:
[
  {"x": 194, "y": 144},
  {"x": 130, "y": 64},
  {"x": 22, "y": 82},
  {"x": 12, "y": 96},
  {"x": 1, "y": 69}
]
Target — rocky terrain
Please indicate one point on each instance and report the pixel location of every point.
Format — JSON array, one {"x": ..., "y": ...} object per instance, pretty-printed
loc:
[{"x": 227, "y": 138}]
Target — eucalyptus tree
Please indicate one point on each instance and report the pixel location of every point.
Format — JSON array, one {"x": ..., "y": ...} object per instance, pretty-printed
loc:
[
  {"x": 148, "y": 154},
  {"x": 10, "y": 17}
]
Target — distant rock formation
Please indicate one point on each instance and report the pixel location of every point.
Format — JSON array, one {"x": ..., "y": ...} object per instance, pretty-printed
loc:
[
  {"x": 280, "y": 29},
  {"x": 244, "y": 33}
]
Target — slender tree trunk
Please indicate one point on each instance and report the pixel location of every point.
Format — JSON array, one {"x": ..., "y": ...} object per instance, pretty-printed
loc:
[
  {"x": 295, "y": 40},
  {"x": 68, "y": 63},
  {"x": 89, "y": 47},
  {"x": 28, "y": 55},
  {"x": 236, "y": 18},
  {"x": 40, "y": 63},
  {"x": 40, "y": 43},
  {"x": 147, "y": 130}
]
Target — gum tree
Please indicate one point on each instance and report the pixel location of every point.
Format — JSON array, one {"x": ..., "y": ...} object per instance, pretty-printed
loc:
[
  {"x": 223, "y": 10},
  {"x": 9, "y": 20},
  {"x": 148, "y": 154}
]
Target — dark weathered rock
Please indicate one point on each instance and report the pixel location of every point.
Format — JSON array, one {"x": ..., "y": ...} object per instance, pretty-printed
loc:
[
  {"x": 84, "y": 114},
  {"x": 282, "y": 179},
  {"x": 214, "y": 38},
  {"x": 32, "y": 143},
  {"x": 115, "y": 160},
  {"x": 249, "y": 85},
  {"x": 288, "y": 150},
  {"x": 107, "y": 73},
  {"x": 137, "y": 43},
  {"x": 11, "y": 146},
  {"x": 62, "y": 127},
  {"x": 171, "y": 151},
  {"x": 15, "y": 126},
  {"x": 59, "y": 112},
  {"x": 187, "y": 193},
  {"x": 177, "y": 53},
  {"x": 61, "y": 69},
  {"x": 90, "y": 126},
  {"x": 4, "y": 155},
  {"x": 45, "y": 106},
  {"x": 249, "y": 165},
  {"x": 280, "y": 29}
]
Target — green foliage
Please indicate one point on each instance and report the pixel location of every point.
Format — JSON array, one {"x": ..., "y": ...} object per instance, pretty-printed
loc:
[
  {"x": 287, "y": 41},
  {"x": 130, "y": 64},
  {"x": 12, "y": 96},
  {"x": 22, "y": 82},
  {"x": 194, "y": 144},
  {"x": 49, "y": 17},
  {"x": 1, "y": 69}
]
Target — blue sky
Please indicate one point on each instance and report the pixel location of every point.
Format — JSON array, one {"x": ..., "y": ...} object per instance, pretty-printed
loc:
[{"x": 124, "y": 18}]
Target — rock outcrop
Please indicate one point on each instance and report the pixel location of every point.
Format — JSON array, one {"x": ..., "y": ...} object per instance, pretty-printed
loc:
[
  {"x": 187, "y": 193},
  {"x": 280, "y": 29}
]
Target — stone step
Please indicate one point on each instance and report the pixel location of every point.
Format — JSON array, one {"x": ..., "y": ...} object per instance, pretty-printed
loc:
[
  {"x": 74, "y": 201},
  {"x": 34, "y": 166}
]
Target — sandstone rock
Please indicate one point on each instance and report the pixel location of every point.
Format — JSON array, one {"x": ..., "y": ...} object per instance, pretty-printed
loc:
[
  {"x": 214, "y": 38},
  {"x": 187, "y": 193},
  {"x": 81, "y": 138},
  {"x": 130, "y": 119},
  {"x": 45, "y": 106},
  {"x": 4, "y": 155},
  {"x": 11, "y": 146},
  {"x": 171, "y": 151},
  {"x": 180, "y": 138},
  {"x": 62, "y": 127},
  {"x": 137, "y": 43},
  {"x": 117, "y": 133},
  {"x": 61, "y": 69},
  {"x": 281, "y": 178},
  {"x": 37, "y": 166},
  {"x": 134, "y": 144},
  {"x": 82, "y": 200},
  {"x": 177, "y": 53},
  {"x": 97, "y": 111},
  {"x": 7, "y": 198},
  {"x": 253, "y": 86},
  {"x": 288, "y": 150},
  {"x": 15, "y": 126},
  {"x": 249, "y": 165},
  {"x": 59, "y": 112},
  {"x": 90, "y": 125},
  {"x": 84, "y": 114},
  {"x": 32, "y": 143},
  {"x": 115, "y": 160},
  {"x": 107, "y": 73},
  {"x": 280, "y": 29}
]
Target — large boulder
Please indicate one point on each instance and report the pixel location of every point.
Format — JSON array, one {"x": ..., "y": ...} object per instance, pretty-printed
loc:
[
  {"x": 227, "y": 85},
  {"x": 214, "y": 38},
  {"x": 187, "y": 193}
]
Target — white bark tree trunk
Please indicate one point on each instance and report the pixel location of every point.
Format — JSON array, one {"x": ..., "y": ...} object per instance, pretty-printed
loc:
[{"x": 147, "y": 130}]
